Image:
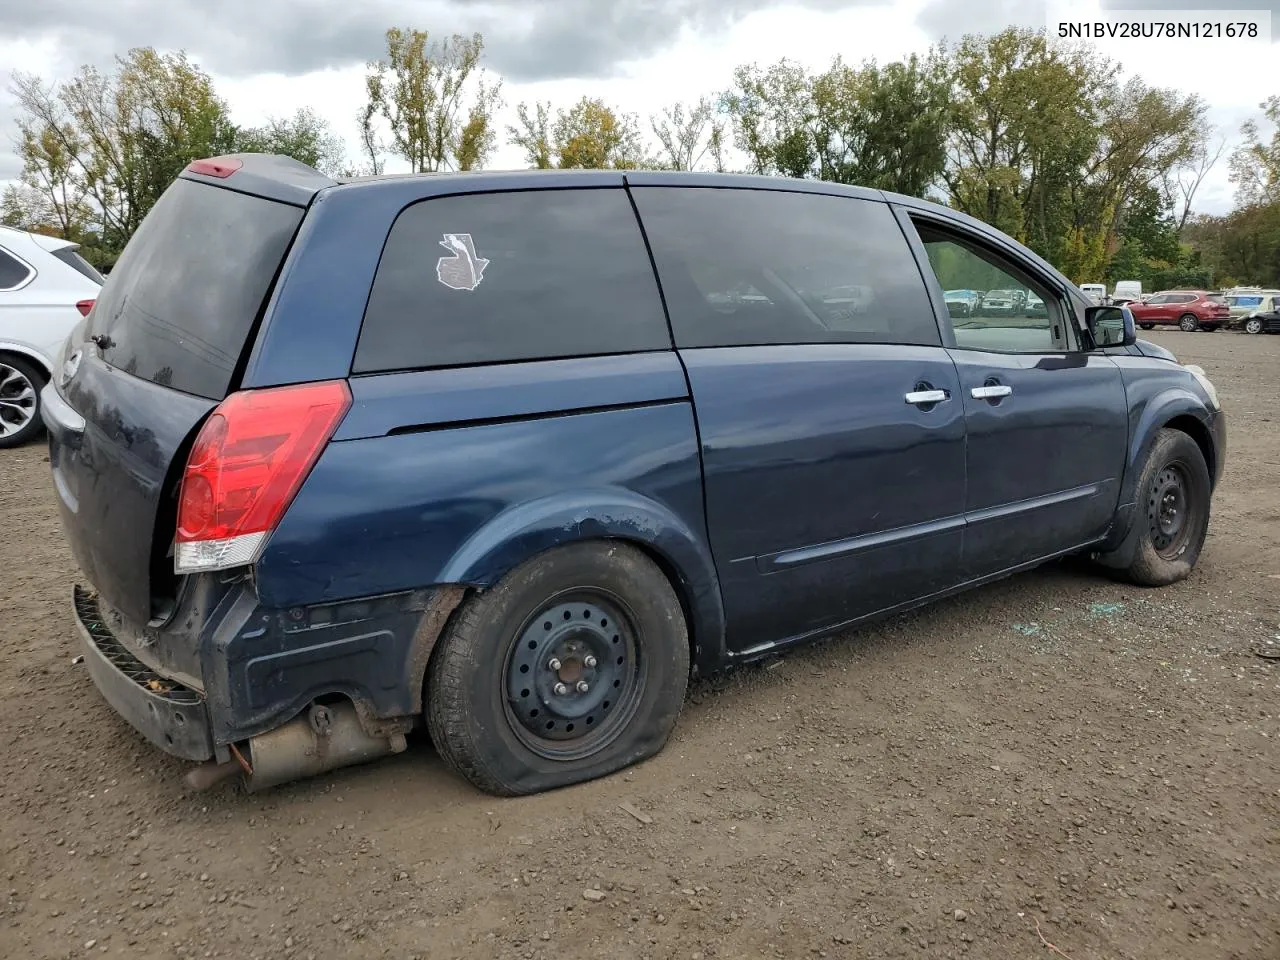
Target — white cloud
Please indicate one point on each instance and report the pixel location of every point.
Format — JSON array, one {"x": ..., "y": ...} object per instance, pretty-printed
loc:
[{"x": 702, "y": 62}]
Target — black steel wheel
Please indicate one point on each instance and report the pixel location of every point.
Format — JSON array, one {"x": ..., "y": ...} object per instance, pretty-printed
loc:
[
  {"x": 573, "y": 676},
  {"x": 1168, "y": 512},
  {"x": 571, "y": 667},
  {"x": 1172, "y": 520}
]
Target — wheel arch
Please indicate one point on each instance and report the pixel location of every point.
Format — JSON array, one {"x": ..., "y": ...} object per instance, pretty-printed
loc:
[
  {"x": 1176, "y": 408},
  {"x": 1199, "y": 432},
  {"x": 42, "y": 366},
  {"x": 529, "y": 529}
]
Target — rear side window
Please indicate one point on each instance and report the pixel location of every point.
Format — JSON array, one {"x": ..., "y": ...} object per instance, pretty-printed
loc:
[
  {"x": 497, "y": 277},
  {"x": 78, "y": 263},
  {"x": 754, "y": 267},
  {"x": 182, "y": 299},
  {"x": 13, "y": 272}
]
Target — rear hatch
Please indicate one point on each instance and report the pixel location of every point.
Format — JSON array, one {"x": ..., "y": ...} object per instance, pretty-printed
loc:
[{"x": 164, "y": 344}]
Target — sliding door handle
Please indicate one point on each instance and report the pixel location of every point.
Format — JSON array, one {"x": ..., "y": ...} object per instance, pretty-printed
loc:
[
  {"x": 925, "y": 397},
  {"x": 991, "y": 391}
]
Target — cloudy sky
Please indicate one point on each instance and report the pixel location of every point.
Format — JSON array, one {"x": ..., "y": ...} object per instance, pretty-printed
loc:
[{"x": 270, "y": 57}]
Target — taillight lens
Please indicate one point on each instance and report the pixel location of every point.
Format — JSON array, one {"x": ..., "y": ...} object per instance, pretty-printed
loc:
[
  {"x": 245, "y": 467},
  {"x": 84, "y": 306}
]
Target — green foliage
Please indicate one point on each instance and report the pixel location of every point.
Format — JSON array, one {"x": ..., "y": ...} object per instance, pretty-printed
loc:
[
  {"x": 1050, "y": 147},
  {"x": 879, "y": 126},
  {"x": 306, "y": 137},
  {"x": 1255, "y": 165},
  {"x": 102, "y": 147},
  {"x": 690, "y": 134},
  {"x": 589, "y": 135},
  {"x": 434, "y": 101}
]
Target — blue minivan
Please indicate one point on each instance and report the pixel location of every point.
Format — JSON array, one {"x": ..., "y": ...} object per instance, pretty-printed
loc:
[{"x": 512, "y": 456}]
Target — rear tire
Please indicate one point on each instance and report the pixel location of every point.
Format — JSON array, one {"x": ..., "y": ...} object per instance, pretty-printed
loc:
[
  {"x": 1172, "y": 516},
  {"x": 1147, "y": 326},
  {"x": 20, "y": 383},
  {"x": 511, "y": 723},
  {"x": 1189, "y": 323}
]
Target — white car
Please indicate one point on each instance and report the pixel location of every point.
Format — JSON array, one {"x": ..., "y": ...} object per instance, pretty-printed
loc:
[{"x": 46, "y": 288}]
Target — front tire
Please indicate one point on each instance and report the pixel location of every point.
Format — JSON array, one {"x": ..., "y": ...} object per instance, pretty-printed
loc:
[
  {"x": 1189, "y": 323},
  {"x": 1253, "y": 325},
  {"x": 1147, "y": 326},
  {"x": 573, "y": 667},
  {"x": 1172, "y": 516},
  {"x": 20, "y": 384}
]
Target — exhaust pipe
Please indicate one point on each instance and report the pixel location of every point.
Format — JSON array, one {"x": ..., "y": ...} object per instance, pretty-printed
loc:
[{"x": 325, "y": 738}]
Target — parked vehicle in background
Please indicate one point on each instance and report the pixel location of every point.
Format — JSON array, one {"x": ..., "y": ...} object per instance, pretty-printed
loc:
[
  {"x": 1264, "y": 321},
  {"x": 1244, "y": 307},
  {"x": 46, "y": 288},
  {"x": 496, "y": 454},
  {"x": 1190, "y": 310},
  {"x": 963, "y": 303},
  {"x": 1002, "y": 303},
  {"x": 1095, "y": 292},
  {"x": 1126, "y": 291}
]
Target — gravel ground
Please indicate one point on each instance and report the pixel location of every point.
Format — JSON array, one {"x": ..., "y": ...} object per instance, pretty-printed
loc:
[{"x": 1053, "y": 759}]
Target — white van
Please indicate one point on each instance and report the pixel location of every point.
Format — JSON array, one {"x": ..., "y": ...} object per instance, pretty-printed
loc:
[
  {"x": 1127, "y": 290},
  {"x": 1096, "y": 292}
]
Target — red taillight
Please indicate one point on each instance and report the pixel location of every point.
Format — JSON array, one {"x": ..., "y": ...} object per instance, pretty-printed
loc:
[
  {"x": 84, "y": 306},
  {"x": 245, "y": 467},
  {"x": 220, "y": 167}
]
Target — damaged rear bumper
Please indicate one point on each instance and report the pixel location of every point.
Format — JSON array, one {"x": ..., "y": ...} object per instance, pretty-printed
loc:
[{"x": 173, "y": 717}]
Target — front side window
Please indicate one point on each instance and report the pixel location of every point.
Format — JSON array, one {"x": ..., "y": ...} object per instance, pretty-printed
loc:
[
  {"x": 1013, "y": 313},
  {"x": 500, "y": 277},
  {"x": 13, "y": 272},
  {"x": 764, "y": 267}
]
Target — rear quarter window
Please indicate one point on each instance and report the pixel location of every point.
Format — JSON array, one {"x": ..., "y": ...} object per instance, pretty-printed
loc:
[
  {"x": 500, "y": 277},
  {"x": 78, "y": 263},
  {"x": 13, "y": 272}
]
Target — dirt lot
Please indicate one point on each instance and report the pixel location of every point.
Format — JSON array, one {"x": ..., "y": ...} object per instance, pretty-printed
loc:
[{"x": 1056, "y": 750}]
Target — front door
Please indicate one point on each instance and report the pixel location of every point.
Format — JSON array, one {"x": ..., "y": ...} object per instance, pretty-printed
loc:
[
  {"x": 1046, "y": 420},
  {"x": 830, "y": 416}
]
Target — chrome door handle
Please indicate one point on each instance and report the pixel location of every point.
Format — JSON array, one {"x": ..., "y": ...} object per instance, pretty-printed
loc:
[
  {"x": 991, "y": 392},
  {"x": 921, "y": 397}
]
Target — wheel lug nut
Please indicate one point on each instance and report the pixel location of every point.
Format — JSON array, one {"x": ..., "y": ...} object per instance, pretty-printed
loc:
[
  {"x": 582, "y": 686},
  {"x": 560, "y": 689},
  {"x": 553, "y": 664},
  {"x": 590, "y": 661}
]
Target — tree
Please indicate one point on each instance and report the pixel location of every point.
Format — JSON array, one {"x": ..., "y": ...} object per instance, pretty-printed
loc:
[
  {"x": 589, "y": 135},
  {"x": 1255, "y": 164},
  {"x": 102, "y": 147},
  {"x": 879, "y": 126},
  {"x": 435, "y": 102},
  {"x": 687, "y": 134},
  {"x": 1049, "y": 146},
  {"x": 533, "y": 135},
  {"x": 306, "y": 137},
  {"x": 771, "y": 110}
]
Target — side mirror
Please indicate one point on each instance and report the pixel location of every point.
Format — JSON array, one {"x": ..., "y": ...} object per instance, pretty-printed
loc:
[{"x": 1111, "y": 326}]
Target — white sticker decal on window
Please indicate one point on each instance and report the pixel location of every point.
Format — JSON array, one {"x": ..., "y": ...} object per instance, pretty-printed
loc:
[{"x": 464, "y": 270}]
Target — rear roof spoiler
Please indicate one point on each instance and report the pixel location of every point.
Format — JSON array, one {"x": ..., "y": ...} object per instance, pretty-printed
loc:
[{"x": 268, "y": 175}]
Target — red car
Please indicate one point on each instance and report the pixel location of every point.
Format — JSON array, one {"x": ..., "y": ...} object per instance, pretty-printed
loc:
[{"x": 1191, "y": 310}]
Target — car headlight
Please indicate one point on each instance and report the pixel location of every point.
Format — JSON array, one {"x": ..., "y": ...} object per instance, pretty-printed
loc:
[{"x": 1204, "y": 381}]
